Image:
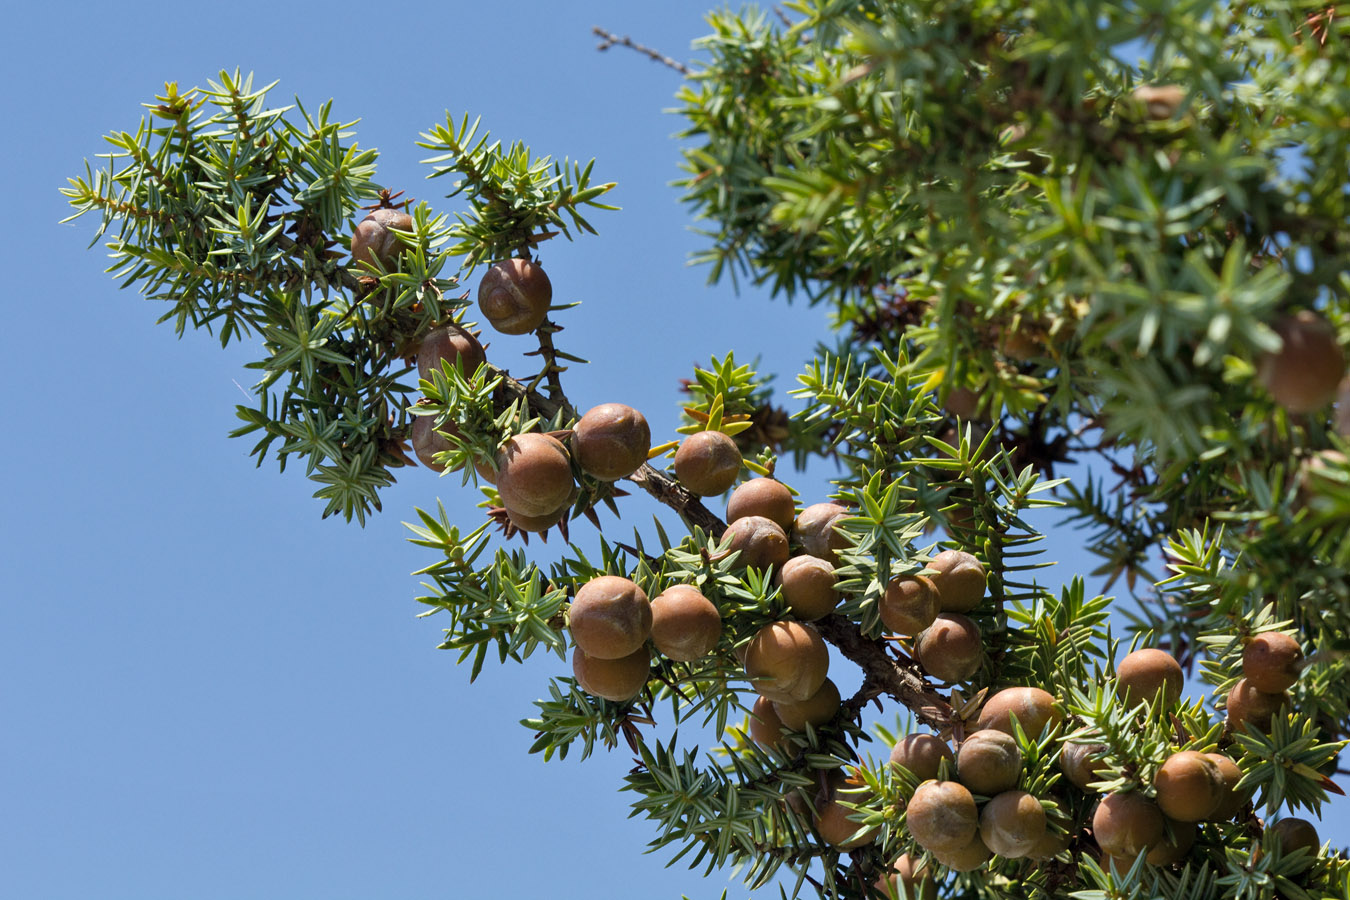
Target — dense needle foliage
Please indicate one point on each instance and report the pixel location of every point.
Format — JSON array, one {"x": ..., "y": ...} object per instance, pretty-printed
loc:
[{"x": 1049, "y": 232}]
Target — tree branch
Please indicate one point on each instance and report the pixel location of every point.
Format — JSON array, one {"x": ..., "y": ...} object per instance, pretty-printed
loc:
[
  {"x": 665, "y": 489},
  {"x": 609, "y": 39},
  {"x": 883, "y": 674}
]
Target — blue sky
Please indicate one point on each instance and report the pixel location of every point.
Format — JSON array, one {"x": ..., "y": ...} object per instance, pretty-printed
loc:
[{"x": 207, "y": 690}]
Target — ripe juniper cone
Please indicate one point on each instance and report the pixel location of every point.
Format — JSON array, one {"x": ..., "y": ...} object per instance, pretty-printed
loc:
[
  {"x": 942, "y": 816},
  {"x": 766, "y": 728},
  {"x": 762, "y": 497},
  {"x": 1294, "y": 834},
  {"x": 1144, "y": 673},
  {"x": 1126, "y": 825},
  {"x": 815, "y": 530},
  {"x": 760, "y": 542},
  {"x": 707, "y": 463},
  {"x": 1033, "y": 707},
  {"x": 1270, "y": 662},
  {"x": 1012, "y": 824},
  {"x": 1082, "y": 763},
  {"x": 833, "y": 820},
  {"x": 922, "y": 754},
  {"x": 907, "y": 879},
  {"x": 374, "y": 237},
  {"x": 427, "y": 442},
  {"x": 534, "y": 474},
  {"x": 1248, "y": 706},
  {"x": 1189, "y": 786},
  {"x": 452, "y": 344},
  {"x": 1232, "y": 800},
  {"x": 951, "y": 649},
  {"x": 960, "y": 580},
  {"x": 989, "y": 762},
  {"x": 787, "y": 661},
  {"x": 610, "y": 617},
  {"x": 808, "y": 587},
  {"x": 909, "y": 605},
  {"x": 816, "y": 710},
  {"x": 619, "y": 679},
  {"x": 611, "y": 441},
  {"x": 685, "y": 624},
  {"x": 1304, "y": 373},
  {"x": 1170, "y": 851},
  {"x": 514, "y": 296}
]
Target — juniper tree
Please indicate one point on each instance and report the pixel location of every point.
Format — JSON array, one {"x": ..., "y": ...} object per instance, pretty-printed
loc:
[{"x": 1114, "y": 235}]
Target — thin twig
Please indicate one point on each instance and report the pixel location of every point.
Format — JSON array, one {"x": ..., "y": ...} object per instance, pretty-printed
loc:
[
  {"x": 608, "y": 39},
  {"x": 550, "y": 355}
]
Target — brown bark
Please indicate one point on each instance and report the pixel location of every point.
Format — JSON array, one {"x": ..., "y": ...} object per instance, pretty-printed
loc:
[{"x": 883, "y": 674}]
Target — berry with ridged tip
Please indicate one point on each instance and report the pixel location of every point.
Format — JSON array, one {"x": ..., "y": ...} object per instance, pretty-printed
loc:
[
  {"x": 1126, "y": 825},
  {"x": 942, "y": 816},
  {"x": 1188, "y": 786},
  {"x": 833, "y": 820},
  {"x": 1082, "y": 763},
  {"x": 787, "y": 661},
  {"x": 1270, "y": 662},
  {"x": 1012, "y": 823},
  {"x": 514, "y": 296},
  {"x": 1248, "y": 706},
  {"x": 909, "y": 604},
  {"x": 1294, "y": 834},
  {"x": 1034, "y": 708},
  {"x": 815, "y": 530},
  {"x": 453, "y": 344},
  {"x": 760, "y": 542},
  {"x": 951, "y": 649},
  {"x": 960, "y": 580},
  {"x": 427, "y": 442},
  {"x": 374, "y": 237},
  {"x": 989, "y": 762}
]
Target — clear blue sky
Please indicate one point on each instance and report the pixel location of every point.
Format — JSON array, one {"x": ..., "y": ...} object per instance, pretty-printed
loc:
[{"x": 207, "y": 691}]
